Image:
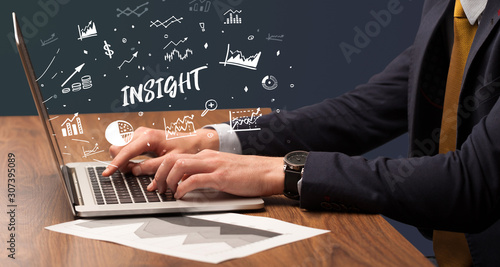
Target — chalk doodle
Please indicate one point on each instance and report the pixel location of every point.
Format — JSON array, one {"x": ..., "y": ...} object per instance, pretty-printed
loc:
[
  {"x": 170, "y": 56},
  {"x": 128, "y": 11},
  {"x": 72, "y": 127},
  {"x": 107, "y": 48},
  {"x": 236, "y": 58},
  {"x": 50, "y": 64},
  {"x": 91, "y": 152},
  {"x": 184, "y": 125},
  {"x": 89, "y": 31},
  {"x": 176, "y": 44},
  {"x": 128, "y": 61},
  {"x": 77, "y": 69},
  {"x": 244, "y": 117},
  {"x": 166, "y": 23},
  {"x": 200, "y": 6},
  {"x": 234, "y": 17},
  {"x": 52, "y": 39}
]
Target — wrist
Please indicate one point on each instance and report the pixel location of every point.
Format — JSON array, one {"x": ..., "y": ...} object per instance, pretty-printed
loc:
[
  {"x": 274, "y": 177},
  {"x": 208, "y": 139}
]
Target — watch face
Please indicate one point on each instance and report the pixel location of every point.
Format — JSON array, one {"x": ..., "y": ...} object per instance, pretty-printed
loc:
[{"x": 296, "y": 158}]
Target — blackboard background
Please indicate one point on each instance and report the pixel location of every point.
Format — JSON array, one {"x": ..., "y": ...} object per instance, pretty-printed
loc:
[{"x": 310, "y": 65}]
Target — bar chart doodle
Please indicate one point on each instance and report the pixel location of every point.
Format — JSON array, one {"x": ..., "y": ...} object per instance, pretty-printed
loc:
[
  {"x": 128, "y": 11},
  {"x": 236, "y": 58},
  {"x": 72, "y": 127},
  {"x": 234, "y": 17},
  {"x": 200, "y": 6}
]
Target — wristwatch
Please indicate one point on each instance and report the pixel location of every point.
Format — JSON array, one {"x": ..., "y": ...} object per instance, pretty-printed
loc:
[{"x": 294, "y": 168}]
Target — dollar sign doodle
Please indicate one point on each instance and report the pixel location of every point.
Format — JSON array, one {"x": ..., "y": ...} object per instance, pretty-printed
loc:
[{"x": 108, "y": 52}]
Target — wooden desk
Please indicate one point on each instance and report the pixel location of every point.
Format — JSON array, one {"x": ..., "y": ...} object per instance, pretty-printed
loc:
[{"x": 355, "y": 240}]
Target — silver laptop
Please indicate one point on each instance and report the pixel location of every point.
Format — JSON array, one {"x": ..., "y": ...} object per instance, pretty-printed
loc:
[{"x": 92, "y": 195}]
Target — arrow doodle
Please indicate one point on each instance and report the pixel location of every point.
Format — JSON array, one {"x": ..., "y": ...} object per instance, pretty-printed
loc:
[
  {"x": 77, "y": 69},
  {"x": 176, "y": 44},
  {"x": 128, "y": 61}
]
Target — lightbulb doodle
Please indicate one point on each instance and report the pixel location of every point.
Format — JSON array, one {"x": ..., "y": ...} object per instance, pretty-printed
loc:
[
  {"x": 244, "y": 117},
  {"x": 184, "y": 125},
  {"x": 119, "y": 133}
]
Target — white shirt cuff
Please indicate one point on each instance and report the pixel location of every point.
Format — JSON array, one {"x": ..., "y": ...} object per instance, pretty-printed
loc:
[{"x": 228, "y": 140}]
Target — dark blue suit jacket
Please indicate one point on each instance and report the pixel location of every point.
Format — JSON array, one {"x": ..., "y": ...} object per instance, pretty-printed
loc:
[{"x": 458, "y": 191}]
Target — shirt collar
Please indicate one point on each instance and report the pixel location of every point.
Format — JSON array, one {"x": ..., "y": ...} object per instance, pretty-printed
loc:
[{"x": 473, "y": 9}]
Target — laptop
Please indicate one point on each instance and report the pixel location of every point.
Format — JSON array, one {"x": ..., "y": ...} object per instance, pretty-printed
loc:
[{"x": 92, "y": 195}]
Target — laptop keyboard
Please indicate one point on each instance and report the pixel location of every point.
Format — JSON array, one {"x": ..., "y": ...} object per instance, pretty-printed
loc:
[{"x": 123, "y": 188}]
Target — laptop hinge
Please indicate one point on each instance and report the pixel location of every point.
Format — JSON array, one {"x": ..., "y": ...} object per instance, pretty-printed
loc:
[{"x": 72, "y": 185}]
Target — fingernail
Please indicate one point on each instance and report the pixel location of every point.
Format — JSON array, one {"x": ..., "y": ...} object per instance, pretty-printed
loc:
[
  {"x": 136, "y": 170},
  {"x": 150, "y": 187},
  {"x": 176, "y": 196}
]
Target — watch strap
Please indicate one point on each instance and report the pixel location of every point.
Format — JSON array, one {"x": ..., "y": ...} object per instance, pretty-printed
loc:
[{"x": 291, "y": 179}]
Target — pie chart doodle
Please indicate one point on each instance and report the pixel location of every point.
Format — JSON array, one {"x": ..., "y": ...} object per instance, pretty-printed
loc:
[{"x": 119, "y": 133}]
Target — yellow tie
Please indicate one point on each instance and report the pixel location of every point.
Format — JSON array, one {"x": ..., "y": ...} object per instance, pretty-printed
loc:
[{"x": 451, "y": 248}]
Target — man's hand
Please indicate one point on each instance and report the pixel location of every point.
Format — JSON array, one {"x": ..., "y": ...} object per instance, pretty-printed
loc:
[
  {"x": 148, "y": 140},
  {"x": 235, "y": 174}
]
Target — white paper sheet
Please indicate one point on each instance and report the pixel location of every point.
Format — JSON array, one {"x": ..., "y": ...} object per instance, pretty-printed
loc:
[{"x": 209, "y": 238}]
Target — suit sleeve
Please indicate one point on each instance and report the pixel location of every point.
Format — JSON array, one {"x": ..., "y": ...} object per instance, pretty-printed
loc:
[
  {"x": 354, "y": 123},
  {"x": 457, "y": 191}
]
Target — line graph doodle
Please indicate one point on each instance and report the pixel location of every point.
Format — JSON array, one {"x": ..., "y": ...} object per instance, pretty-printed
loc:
[
  {"x": 245, "y": 117},
  {"x": 176, "y": 44},
  {"x": 166, "y": 23},
  {"x": 236, "y": 58},
  {"x": 170, "y": 56},
  {"x": 185, "y": 125},
  {"x": 91, "y": 152},
  {"x": 89, "y": 31},
  {"x": 128, "y": 11},
  {"x": 128, "y": 61},
  {"x": 52, "y": 61}
]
